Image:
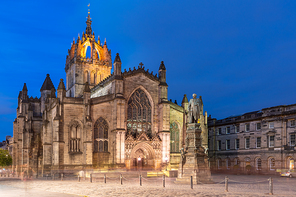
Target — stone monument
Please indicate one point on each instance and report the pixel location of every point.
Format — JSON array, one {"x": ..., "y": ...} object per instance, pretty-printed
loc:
[{"x": 194, "y": 158}]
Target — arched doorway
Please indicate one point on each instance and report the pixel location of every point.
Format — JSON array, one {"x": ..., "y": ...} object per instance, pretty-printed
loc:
[{"x": 142, "y": 157}]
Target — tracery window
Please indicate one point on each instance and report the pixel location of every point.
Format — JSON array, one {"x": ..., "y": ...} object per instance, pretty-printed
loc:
[
  {"x": 101, "y": 135},
  {"x": 174, "y": 137},
  {"x": 139, "y": 113},
  {"x": 75, "y": 138}
]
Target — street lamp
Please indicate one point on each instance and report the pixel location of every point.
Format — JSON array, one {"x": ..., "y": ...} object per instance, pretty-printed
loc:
[
  {"x": 139, "y": 161},
  {"x": 166, "y": 162}
]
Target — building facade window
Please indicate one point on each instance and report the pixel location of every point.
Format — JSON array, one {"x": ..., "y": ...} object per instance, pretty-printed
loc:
[
  {"x": 75, "y": 138},
  {"x": 258, "y": 164},
  {"x": 227, "y": 144},
  {"x": 101, "y": 135},
  {"x": 271, "y": 163},
  {"x": 292, "y": 123},
  {"x": 236, "y": 144},
  {"x": 258, "y": 142},
  {"x": 271, "y": 125},
  {"x": 236, "y": 161},
  {"x": 227, "y": 130},
  {"x": 247, "y": 143},
  {"x": 236, "y": 128},
  {"x": 271, "y": 140},
  {"x": 174, "y": 130},
  {"x": 219, "y": 131},
  {"x": 247, "y": 127},
  {"x": 219, "y": 145},
  {"x": 258, "y": 126},
  {"x": 292, "y": 140},
  {"x": 139, "y": 114}
]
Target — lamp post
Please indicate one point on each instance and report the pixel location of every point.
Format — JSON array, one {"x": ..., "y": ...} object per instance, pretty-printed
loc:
[
  {"x": 166, "y": 162},
  {"x": 139, "y": 161}
]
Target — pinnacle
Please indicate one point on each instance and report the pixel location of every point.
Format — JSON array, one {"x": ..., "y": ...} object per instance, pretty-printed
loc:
[
  {"x": 47, "y": 84},
  {"x": 117, "y": 58},
  {"x": 25, "y": 87},
  {"x": 162, "y": 67},
  {"x": 185, "y": 100},
  {"x": 88, "y": 30},
  {"x": 61, "y": 85}
]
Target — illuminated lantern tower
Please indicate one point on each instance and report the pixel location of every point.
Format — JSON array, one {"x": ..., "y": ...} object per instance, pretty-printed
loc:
[{"x": 87, "y": 61}]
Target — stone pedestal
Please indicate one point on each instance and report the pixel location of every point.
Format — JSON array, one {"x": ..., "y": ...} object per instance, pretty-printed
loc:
[{"x": 194, "y": 160}]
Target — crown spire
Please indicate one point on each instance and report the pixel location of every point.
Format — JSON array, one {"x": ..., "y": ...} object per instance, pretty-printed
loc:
[{"x": 88, "y": 30}]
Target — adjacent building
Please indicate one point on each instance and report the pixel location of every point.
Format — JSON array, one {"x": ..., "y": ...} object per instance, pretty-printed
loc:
[{"x": 260, "y": 142}]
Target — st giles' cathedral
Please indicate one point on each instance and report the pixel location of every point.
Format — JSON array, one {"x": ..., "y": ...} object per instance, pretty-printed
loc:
[{"x": 97, "y": 120}]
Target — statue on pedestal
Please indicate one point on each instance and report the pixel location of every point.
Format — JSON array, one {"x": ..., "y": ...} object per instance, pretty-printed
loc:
[
  {"x": 193, "y": 157},
  {"x": 194, "y": 108}
]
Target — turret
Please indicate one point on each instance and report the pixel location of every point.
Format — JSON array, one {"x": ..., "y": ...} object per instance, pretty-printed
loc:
[
  {"x": 185, "y": 102},
  {"x": 46, "y": 91},
  {"x": 23, "y": 99},
  {"x": 163, "y": 85},
  {"x": 162, "y": 73},
  {"x": 117, "y": 65},
  {"x": 61, "y": 90},
  {"x": 25, "y": 93}
]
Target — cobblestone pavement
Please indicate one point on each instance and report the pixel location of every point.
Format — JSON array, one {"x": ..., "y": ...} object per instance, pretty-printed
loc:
[
  {"x": 239, "y": 185},
  {"x": 11, "y": 191}
]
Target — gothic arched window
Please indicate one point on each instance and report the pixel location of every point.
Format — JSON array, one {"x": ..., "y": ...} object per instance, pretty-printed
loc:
[
  {"x": 75, "y": 138},
  {"x": 86, "y": 76},
  {"x": 139, "y": 113},
  {"x": 93, "y": 77},
  {"x": 101, "y": 135},
  {"x": 174, "y": 130}
]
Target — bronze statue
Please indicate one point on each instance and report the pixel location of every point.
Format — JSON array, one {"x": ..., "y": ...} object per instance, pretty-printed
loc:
[{"x": 194, "y": 108}]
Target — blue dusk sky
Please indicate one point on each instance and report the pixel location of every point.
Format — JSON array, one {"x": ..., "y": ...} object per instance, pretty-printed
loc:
[{"x": 238, "y": 55}]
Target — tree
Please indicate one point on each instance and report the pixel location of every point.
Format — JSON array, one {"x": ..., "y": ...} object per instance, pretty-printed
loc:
[{"x": 5, "y": 158}]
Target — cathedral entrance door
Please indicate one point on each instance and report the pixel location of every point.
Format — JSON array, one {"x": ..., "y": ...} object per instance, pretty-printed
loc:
[{"x": 143, "y": 157}]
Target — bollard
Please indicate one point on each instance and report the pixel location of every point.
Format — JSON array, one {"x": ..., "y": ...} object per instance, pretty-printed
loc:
[
  {"x": 191, "y": 181},
  {"x": 104, "y": 178},
  {"x": 163, "y": 180},
  {"x": 46, "y": 176},
  {"x": 62, "y": 176},
  {"x": 226, "y": 184},
  {"x": 120, "y": 179},
  {"x": 270, "y": 186},
  {"x": 140, "y": 180},
  {"x": 78, "y": 178},
  {"x": 90, "y": 178}
]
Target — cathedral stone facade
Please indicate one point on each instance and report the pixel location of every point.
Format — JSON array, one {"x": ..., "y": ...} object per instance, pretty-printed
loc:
[{"x": 98, "y": 119}]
